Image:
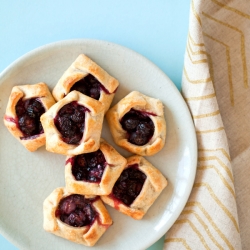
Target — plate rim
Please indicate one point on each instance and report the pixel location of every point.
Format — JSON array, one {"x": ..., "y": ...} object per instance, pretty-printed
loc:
[{"x": 16, "y": 63}]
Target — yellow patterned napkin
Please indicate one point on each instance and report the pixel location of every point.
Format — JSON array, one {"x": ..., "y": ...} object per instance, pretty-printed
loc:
[{"x": 216, "y": 79}]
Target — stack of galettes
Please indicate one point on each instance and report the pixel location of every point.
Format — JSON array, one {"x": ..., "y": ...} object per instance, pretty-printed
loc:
[{"x": 95, "y": 172}]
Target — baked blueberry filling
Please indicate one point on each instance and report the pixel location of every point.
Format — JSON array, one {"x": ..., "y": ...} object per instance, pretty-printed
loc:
[
  {"x": 70, "y": 122},
  {"x": 28, "y": 115},
  {"x": 76, "y": 211},
  {"x": 89, "y": 86},
  {"x": 129, "y": 185},
  {"x": 139, "y": 127},
  {"x": 89, "y": 167}
]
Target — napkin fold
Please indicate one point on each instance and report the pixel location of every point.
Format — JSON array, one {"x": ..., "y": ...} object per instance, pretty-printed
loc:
[{"x": 215, "y": 86}]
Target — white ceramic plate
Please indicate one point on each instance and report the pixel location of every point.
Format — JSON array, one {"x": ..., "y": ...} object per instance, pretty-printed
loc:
[{"x": 28, "y": 178}]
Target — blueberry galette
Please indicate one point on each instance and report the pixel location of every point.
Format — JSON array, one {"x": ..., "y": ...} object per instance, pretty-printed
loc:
[
  {"x": 78, "y": 218},
  {"x": 94, "y": 173},
  {"x": 137, "y": 124},
  {"x": 22, "y": 118},
  {"x": 90, "y": 79},
  {"x": 137, "y": 188},
  {"x": 73, "y": 125}
]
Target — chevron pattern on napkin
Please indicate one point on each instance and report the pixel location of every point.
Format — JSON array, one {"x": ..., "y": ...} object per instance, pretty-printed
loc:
[{"x": 215, "y": 85}]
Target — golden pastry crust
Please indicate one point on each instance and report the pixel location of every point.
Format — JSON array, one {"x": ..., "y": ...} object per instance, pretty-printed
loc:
[
  {"x": 80, "y": 68},
  {"x": 143, "y": 103},
  {"x": 153, "y": 186},
  {"x": 86, "y": 235},
  {"x": 92, "y": 131},
  {"x": 39, "y": 90},
  {"x": 114, "y": 168}
]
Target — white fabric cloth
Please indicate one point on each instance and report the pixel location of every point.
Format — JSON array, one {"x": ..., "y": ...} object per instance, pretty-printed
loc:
[{"x": 216, "y": 80}]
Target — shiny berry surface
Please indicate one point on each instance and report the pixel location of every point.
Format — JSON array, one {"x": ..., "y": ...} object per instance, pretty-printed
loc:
[
  {"x": 139, "y": 126},
  {"x": 89, "y": 167},
  {"x": 76, "y": 211},
  {"x": 70, "y": 122},
  {"x": 28, "y": 114},
  {"x": 89, "y": 86},
  {"x": 129, "y": 185}
]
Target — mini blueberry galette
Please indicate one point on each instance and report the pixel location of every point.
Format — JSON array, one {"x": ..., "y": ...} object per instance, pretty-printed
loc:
[
  {"x": 90, "y": 79},
  {"x": 137, "y": 124},
  {"x": 94, "y": 173},
  {"x": 73, "y": 125},
  {"x": 137, "y": 188},
  {"x": 78, "y": 218},
  {"x": 22, "y": 118}
]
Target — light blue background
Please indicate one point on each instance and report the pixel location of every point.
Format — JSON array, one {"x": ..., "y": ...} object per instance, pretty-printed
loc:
[{"x": 156, "y": 29}]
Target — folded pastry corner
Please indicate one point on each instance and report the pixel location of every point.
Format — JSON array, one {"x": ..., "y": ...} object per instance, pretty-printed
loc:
[
  {"x": 22, "y": 117},
  {"x": 94, "y": 173},
  {"x": 137, "y": 188},
  {"x": 137, "y": 124},
  {"x": 87, "y": 77},
  {"x": 78, "y": 218},
  {"x": 73, "y": 125}
]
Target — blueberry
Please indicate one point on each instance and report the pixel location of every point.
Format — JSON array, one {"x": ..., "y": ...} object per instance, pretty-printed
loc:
[
  {"x": 129, "y": 185},
  {"x": 138, "y": 138},
  {"x": 81, "y": 160},
  {"x": 139, "y": 126},
  {"x": 80, "y": 86},
  {"x": 131, "y": 123},
  {"x": 145, "y": 128},
  {"x": 89, "y": 167},
  {"x": 78, "y": 117},
  {"x": 89, "y": 86},
  {"x": 28, "y": 114},
  {"x": 75, "y": 211},
  {"x": 70, "y": 122}
]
